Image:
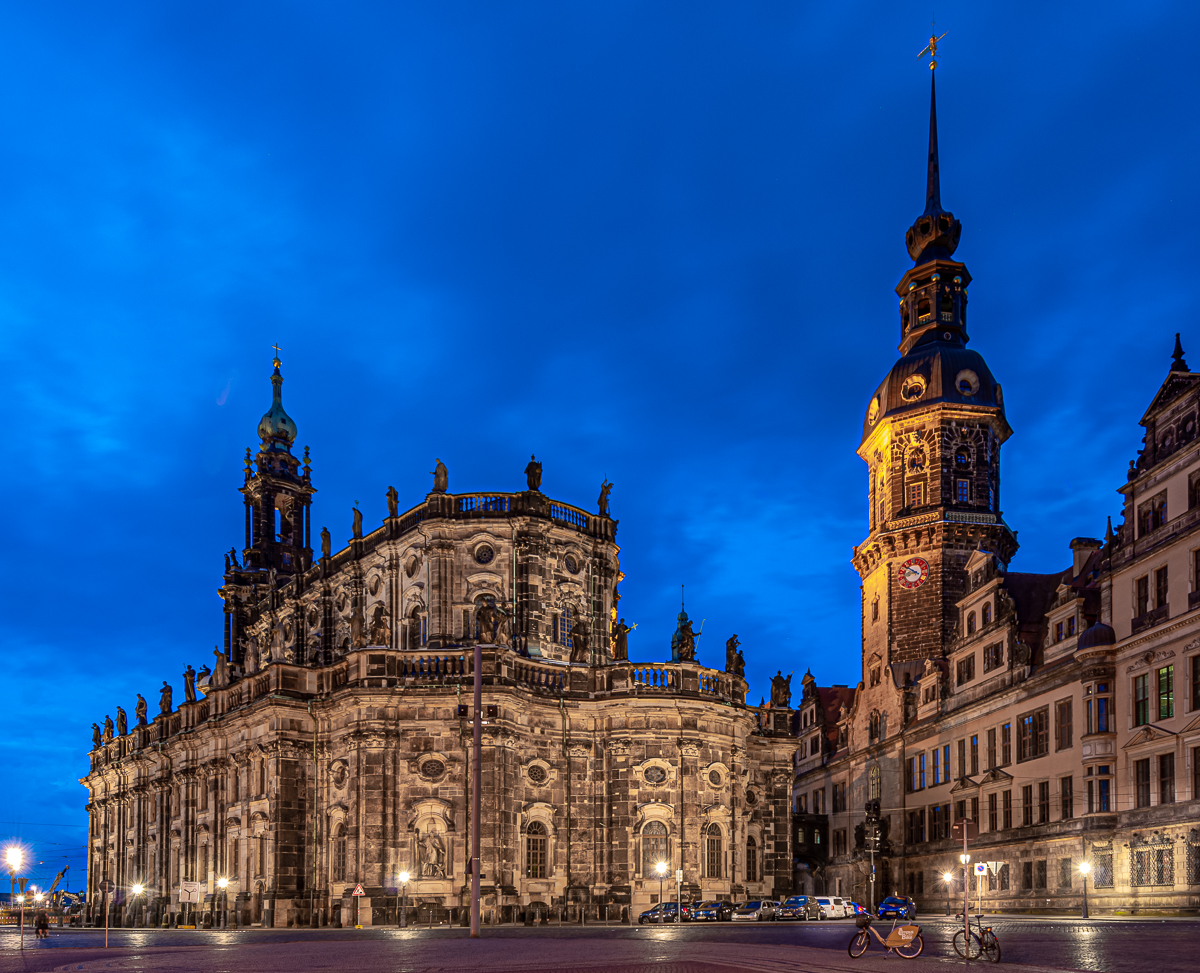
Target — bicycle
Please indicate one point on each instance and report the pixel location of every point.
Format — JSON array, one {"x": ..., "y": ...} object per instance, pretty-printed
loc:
[
  {"x": 983, "y": 941},
  {"x": 905, "y": 940}
]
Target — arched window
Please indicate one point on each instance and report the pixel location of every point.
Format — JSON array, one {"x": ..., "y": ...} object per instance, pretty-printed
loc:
[
  {"x": 751, "y": 859},
  {"x": 337, "y": 868},
  {"x": 882, "y": 502},
  {"x": 712, "y": 851},
  {"x": 962, "y": 457},
  {"x": 562, "y": 628},
  {"x": 875, "y": 784},
  {"x": 987, "y": 614},
  {"x": 536, "y": 842},
  {"x": 654, "y": 846},
  {"x": 416, "y": 629},
  {"x": 970, "y": 623}
]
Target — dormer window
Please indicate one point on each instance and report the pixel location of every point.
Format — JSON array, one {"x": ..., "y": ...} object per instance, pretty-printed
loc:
[
  {"x": 970, "y": 623},
  {"x": 1152, "y": 514}
]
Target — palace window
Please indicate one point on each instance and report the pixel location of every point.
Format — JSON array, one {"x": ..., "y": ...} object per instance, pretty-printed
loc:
[
  {"x": 1160, "y": 587},
  {"x": 915, "y": 827},
  {"x": 235, "y": 847},
  {"x": 1027, "y": 805},
  {"x": 993, "y": 814},
  {"x": 1070, "y": 626},
  {"x": 839, "y": 797},
  {"x": 752, "y": 858},
  {"x": 987, "y": 614},
  {"x": 1166, "y": 778},
  {"x": 946, "y": 762},
  {"x": 1062, "y": 725},
  {"x": 1152, "y": 514},
  {"x": 936, "y": 777},
  {"x": 1166, "y": 692},
  {"x": 562, "y": 628},
  {"x": 1141, "y": 700},
  {"x": 915, "y": 494},
  {"x": 1058, "y": 631},
  {"x": 1043, "y": 802},
  {"x": 654, "y": 846},
  {"x": 1006, "y": 806},
  {"x": 1099, "y": 790},
  {"x": 966, "y": 668},
  {"x": 712, "y": 851},
  {"x": 991, "y": 749},
  {"x": 1099, "y": 708},
  {"x": 337, "y": 868},
  {"x": 1034, "y": 734},
  {"x": 974, "y": 754},
  {"x": 1141, "y": 782},
  {"x": 1142, "y": 596},
  {"x": 536, "y": 842},
  {"x": 993, "y": 657}
]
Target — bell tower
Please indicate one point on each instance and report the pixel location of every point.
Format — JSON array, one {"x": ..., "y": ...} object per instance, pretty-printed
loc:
[{"x": 931, "y": 440}]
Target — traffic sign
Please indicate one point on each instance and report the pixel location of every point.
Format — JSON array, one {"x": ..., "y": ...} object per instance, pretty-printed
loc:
[
  {"x": 107, "y": 886},
  {"x": 679, "y": 875},
  {"x": 358, "y": 890},
  {"x": 981, "y": 868}
]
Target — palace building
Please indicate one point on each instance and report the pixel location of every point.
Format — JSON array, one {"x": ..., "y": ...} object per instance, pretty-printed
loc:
[
  {"x": 329, "y": 744},
  {"x": 1058, "y": 712}
]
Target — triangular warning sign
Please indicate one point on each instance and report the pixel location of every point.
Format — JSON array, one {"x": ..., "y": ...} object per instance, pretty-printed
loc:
[{"x": 358, "y": 890}]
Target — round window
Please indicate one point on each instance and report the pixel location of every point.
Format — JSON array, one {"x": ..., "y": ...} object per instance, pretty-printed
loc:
[
  {"x": 536, "y": 774},
  {"x": 913, "y": 388},
  {"x": 655, "y": 775},
  {"x": 751, "y": 797},
  {"x": 432, "y": 768},
  {"x": 484, "y": 554},
  {"x": 411, "y": 568},
  {"x": 714, "y": 778},
  {"x": 967, "y": 382},
  {"x": 571, "y": 563}
]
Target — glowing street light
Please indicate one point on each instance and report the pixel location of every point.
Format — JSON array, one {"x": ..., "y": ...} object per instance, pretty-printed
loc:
[
  {"x": 1084, "y": 868},
  {"x": 138, "y": 889},
  {"x": 14, "y": 857},
  {"x": 947, "y": 877},
  {"x": 661, "y": 870},
  {"x": 404, "y": 877},
  {"x": 223, "y": 884}
]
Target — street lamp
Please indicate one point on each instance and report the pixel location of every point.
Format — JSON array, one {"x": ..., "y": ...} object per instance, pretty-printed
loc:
[
  {"x": 661, "y": 870},
  {"x": 1084, "y": 868},
  {"x": 14, "y": 857},
  {"x": 404, "y": 876},
  {"x": 223, "y": 884},
  {"x": 947, "y": 877}
]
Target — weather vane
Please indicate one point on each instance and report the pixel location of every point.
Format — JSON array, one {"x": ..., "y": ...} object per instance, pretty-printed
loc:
[{"x": 931, "y": 48}]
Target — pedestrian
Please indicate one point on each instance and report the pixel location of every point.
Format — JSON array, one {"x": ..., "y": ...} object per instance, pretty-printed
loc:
[{"x": 41, "y": 925}]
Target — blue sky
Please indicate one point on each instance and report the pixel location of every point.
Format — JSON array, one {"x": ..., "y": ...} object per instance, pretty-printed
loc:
[{"x": 651, "y": 242}]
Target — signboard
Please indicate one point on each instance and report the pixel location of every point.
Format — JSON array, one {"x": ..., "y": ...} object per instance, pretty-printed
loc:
[
  {"x": 189, "y": 892},
  {"x": 106, "y": 886},
  {"x": 358, "y": 890},
  {"x": 981, "y": 868},
  {"x": 971, "y": 827},
  {"x": 679, "y": 875}
]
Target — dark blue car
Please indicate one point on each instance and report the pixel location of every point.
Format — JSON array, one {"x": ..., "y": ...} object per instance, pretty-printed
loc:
[{"x": 895, "y": 907}]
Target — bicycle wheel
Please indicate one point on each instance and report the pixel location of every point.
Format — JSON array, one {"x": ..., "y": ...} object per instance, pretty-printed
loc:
[
  {"x": 912, "y": 949},
  {"x": 990, "y": 946},
  {"x": 972, "y": 950},
  {"x": 858, "y": 944}
]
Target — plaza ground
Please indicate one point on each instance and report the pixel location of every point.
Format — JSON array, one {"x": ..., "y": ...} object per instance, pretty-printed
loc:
[{"x": 1029, "y": 943}]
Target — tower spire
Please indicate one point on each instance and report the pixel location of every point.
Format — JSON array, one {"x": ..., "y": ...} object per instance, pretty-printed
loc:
[
  {"x": 933, "y": 182},
  {"x": 935, "y": 232},
  {"x": 1177, "y": 362}
]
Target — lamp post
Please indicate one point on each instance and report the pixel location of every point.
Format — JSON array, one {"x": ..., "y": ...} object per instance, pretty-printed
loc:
[
  {"x": 947, "y": 877},
  {"x": 223, "y": 884},
  {"x": 136, "y": 890},
  {"x": 14, "y": 858},
  {"x": 403, "y": 899},
  {"x": 661, "y": 871},
  {"x": 1084, "y": 868},
  {"x": 966, "y": 860}
]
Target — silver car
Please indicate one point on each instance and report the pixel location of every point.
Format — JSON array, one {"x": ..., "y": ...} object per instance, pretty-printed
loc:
[{"x": 756, "y": 910}]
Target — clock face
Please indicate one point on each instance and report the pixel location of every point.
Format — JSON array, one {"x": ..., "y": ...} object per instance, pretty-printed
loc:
[{"x": 913, "y": 573}]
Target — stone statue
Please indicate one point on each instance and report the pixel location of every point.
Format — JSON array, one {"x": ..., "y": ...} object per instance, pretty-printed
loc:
[
  {"x": 122, "y": 722},
  {"x": 735, "y": 662},
  {"x": 95, "y": 736},
  {"x": 356, "y": 528},
  {"x": 189, "y": 684},
  {"x": 579, "y": 638},
  {"x": 326, "y": 542},
  {"x": 278, "y": 653},
  {"x": 441, "y": 477},
  {"x": 381, "y": 631},
  {"x": 393, "y": 499},
  {"x": 204, "y": 680},
  {"x": 226, "y": 563},
  {"x": 357, "y": 626},
  {"x": 220, "y": 676},
  {"x": 683, "y": 642},
  {"x": 108, "y": 728},
  {"x": 251, "y": 659},
  {"x": 781, "y": 690},
  {"x": 139, "y": 710},
  {"x": 605, "y": 490},
  {"x": 164, "y": 699},
  {"x": 621, "y": 641},
  {"x": 533, "y": 473},
  {"x": 233, "y": 561},
  {"x": 431, "y": 854},
  {"x": 271, "y": 578}
]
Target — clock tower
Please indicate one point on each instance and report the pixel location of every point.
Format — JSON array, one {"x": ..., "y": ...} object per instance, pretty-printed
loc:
[{"x": 931, "y": 441}]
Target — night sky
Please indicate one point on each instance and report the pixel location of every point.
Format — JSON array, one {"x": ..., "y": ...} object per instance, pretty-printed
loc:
[{"x": 650, "y": 242}]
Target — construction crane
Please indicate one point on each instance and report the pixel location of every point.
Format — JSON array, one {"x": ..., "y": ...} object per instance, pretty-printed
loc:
[{"x": 57, "y": 879}]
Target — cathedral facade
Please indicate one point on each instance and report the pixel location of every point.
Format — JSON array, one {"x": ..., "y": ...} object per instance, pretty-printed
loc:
[
  {"x": 1057, "y": 714},
  {"x": 328, "y": 743}
]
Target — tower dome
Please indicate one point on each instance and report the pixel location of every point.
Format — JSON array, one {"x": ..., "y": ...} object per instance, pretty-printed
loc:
[{"x": 276, "y": 428}]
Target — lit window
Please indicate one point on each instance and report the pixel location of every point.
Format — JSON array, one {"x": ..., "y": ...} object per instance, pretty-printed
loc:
[{"x": 963, "y": 492}]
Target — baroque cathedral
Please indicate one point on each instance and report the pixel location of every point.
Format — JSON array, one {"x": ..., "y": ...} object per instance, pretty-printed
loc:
[
  {"x": 1054, "y": 716},
  {"x": 327, "y": 746}
]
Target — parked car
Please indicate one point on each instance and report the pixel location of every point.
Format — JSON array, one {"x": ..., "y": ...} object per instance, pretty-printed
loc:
[
  {"x": 832, "y": 907},
  {"x": 897, "y": 907},
  {"x": 799, "y": 907},
  {"x": 669, "y": 913},
  {"x": 712, "y": 911},
  {"x": 756, "y": 910}
]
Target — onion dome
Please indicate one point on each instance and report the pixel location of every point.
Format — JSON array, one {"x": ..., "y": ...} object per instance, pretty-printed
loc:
[
  {"x": 276, "y": 429},
  {"x": 1097, "y": 637}
]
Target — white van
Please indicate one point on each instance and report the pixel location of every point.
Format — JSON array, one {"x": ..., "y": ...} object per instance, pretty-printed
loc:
[{"x": 832, "y": 907}]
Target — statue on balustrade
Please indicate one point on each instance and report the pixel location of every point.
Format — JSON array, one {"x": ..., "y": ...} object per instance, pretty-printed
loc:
[
  {"x": 108, "y": 728},
  {"x": 189, "y": 684},
  {"x": 487, "y": 621},
  {"x": 139, "y": 710},
  {"x": 381, "y": 631},
  {"x": 620, "y": 641},
  {"x": 95, "y": 736},
  {"x": 164, "y": 699},
  {"x": 393, "y": 500},
  {"x": 441, "y": 477},
  {"x": 579, "y": 638},
  {"x": 122, "y": 723},
  {"x": 358, "y": 626},
  {"x": 683, "y": 642},
  {"x": 533, "y": 473},
  {"x": 781, "y": 690},
  {"x": 220, "y": 675},
  {"x": 356, "y": 526},
  {"x": 605, "y": 490},
  {"x": 326, "y": 542},
  {"x": 233, "y": 561},
  {"x": 735, "y": 662}
]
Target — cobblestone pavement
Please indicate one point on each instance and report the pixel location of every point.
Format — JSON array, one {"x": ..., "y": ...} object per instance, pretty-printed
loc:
[{"x": 1029, "y": 944}]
